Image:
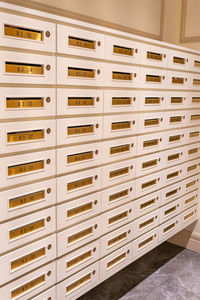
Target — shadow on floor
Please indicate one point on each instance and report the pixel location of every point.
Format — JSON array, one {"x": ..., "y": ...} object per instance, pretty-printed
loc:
[{"x": 125, "y": 280}]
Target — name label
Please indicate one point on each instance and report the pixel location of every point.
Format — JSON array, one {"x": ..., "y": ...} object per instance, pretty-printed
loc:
[
  {"x": 149, "y": 184},
  {"x": 83, "y": 101},
  {"x": 117, "y": 239},
  {"x": 23, "y": 33},
  {"x": 21, "y": 103},
  {"x": 79, "y": 183},
  {"x": 196, "y": 81},
  {"x": 179, "y": 60},
  {"x": 119, "y": 172},
  {"x": 178, "y": 80},
  {"x": 121, "y": 100},
  {"x": 78, "y": 283},
  {"x": 152, "y": 100},
  {"x": 154, "y": 56},
  {"x": 191, "y": 183},
  {"x": 13, "y": 137},
  {"x": 192, "y": 168},
  {"x": 147, "y": 204},
  {"x": 79, "y": 235},
  {"x": 118, "y": 195},
  {"x": 171, "y": 193},
  {"x": 197, "y": 63},
  {"x": 172, "y": 175},
  {"x": 82, "y": 43},
  {"x": 176, "y": 119},
  {"x": 194, "y": 134},
  {"x": 121, "y": 125},
  {"x": 116, "y": 260},
  {"x": 25, "y": 168},
  {"x": 145, "y": 242},
  {"x": 173, "y": 156},
  {"x": 189, "y": 216},
  {"x": 175, "y": 138},
  {"x": 195, "y": 117},
  {"x": 146, "y": 223},
  {"x": 150, "y": 163},
  {"x": 27, "y": 259},
  {"x": 122, "y": 76},
  {"x": 119, "y": 149},
  {"x": 195, "y": 100},
  {"x": 79, "y": 72},
  {"x": 28, "y": 286},
  {"x": 82, "y": 129},
  {"x": 119, "y": 217},
  {"x": 189, "y": 200},
  {"x": 83, "y": 257},
  {"x": 79, "y": 210},
  {"x": 151, "y": 122},
  {"x": 176, "y": 100},
  {"x": 168, "y": 228},
  {"x": 24, "y": 230},
  {"x": 150, "y": 143},
  {"x": 170, "y": 210},
  {"x": 123, "y": 50},
  {"x": 80, "y": 157},
  {"x": 23, "y": 68},
  {"x": 153, "y": 78},
  {"x": 193, "y": 151},
  {"x": 26, "y": 199}
]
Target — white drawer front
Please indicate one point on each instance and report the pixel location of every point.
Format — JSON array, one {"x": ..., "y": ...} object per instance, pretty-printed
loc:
[
  {"x": 79, "y": 72},
  {"x": 123, "y": 50},
  {"x": 189, "y": 216},
  {"x": 150, "y": 122},
  {"x": 173, "y": 174},
  {"x": 178, "y": 80},
  {"x": 75, "y": 130},
  {"x": 121, "y": 76},
  {"x": 26, "y": 229},
  {"x": 120, "y": 101},
  {"x": 194, "y": 63},
  {"x": 192, "y": 151},
  {"x": 26, "y": 102},
  {"x": 148, "y": 164},
  {"x": 50, "y": 294},
  {"x": 80, "y": 42},
  {"x": 118, "y": 172},
  {"x": 194, "y": 117},
  {"x": 79, "y": 101},
  {"x": 77, "y": 260},
  {"x": 76, "y": 211},
  {"x": 172, "y": 192},
  {"x": 118, "y": 195},
  {"x": 193, "y": 134},
  {"x": 169, "y": 228},
  {"x": 152, "y": 78},
  {"x": 191, "y": 184},
  {"x": 176, "y": 100},
  {"x": 194, "y": 81},
  {"x": 78, "y": 157},
  {"x": 116, "y": 239},
  {"x": 26, "y": 259},
  {"x": 78, "y": 235},
  {"x": 78, "y": 184},
  {"x": 26, "y": 199},
  {"x": 145, "y": 243},
  {"x": 193, "y": 100},
  {"x": 175, "y": 138},
  {"x": 154, "y": 56},
  {"x": 27, "y": 33},
  {"x": 192, "y": 167},
  {"x": 118, "y": 126},
  {"x": 25, "y": 167},
  {"x": 31, "y": 284},
  {"x": 21, "y": 136},
  {"x": 151, "y": 100},
  {"x": 189, "y": 200},
  {"x": 17, "y": 67},
  {"x": 78, "y": 284},
  {"x": 148, "y": 184},
  {"x": 176, "y": 119},
  {"x": 178, "y": 60},
  {"x": 169, "y": 211},
  {"x": 147, "y": 203},
  {"x": 146, "y": 223},
  {"x": 149, "y": 143},
  {"x": 117, "y": 217},
  {"x": 173, "y": 157},
  {"x": 114, "y": 262}
]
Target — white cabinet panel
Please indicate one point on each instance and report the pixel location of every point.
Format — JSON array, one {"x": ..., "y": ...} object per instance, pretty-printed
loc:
[
  {"x": 170, "y": 210},
  {"x": 178, "y": 60},
  {"x": 189, "y": 216},
  {"x": 149, "y": 163},
  {"x": 120, "y": 101},
  {"x": 154, "y": 56},
  {"x": 50, "y": 294},
  {"x": 21, "y": 32},
  {"x": 145, "y": 243},
  {"x": 153, "y": 78},
  {"x": 169, "y": 228},
  {"x": 175, "y": 138},
  {"x": 148, "y": 143},
  {"x": 192, "y": 167},
  {"x": 193, "y": 100},
  {"x": 194, "y": 117},
  {"x": 194, "y": 63},
  {"x": 194, "y": 81},
  {"x": 150, "y": 122},
  {"x": 193, "y": 134},
  {"x": 189, "y": 200},
  {"x": 149, "y": 183},
  {"x": 173, "y": 174},
  {"x": 173, "y": 157},
  {"x": 146, "y": 223},
  {"x": 176, "y": 119},
  {"x": 192, "y": 151},
  {"x": 147, "y": 203},
  {"x": 191, "y": 184},
  {"x": 151, "y": 100},
  {"x": 178, "y": 80},
  {"x": 172, "y": 192},
  {"x": 177, "y": 100}
]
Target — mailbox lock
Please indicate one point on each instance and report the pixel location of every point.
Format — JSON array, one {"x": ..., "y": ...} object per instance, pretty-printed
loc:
[
  {"x": 131, "y": 167},
  {"x": 133, "y": 122},
  {"x": 161, "y": 119},
  {"x": 182, "y": 135},
  {"x": 98, "y": 71},
  {"x": 131, "y": 189},
  {"x": 155, "y": 235},
  {"x": 164, "y": 55},
  {"x": 156, "y": 217},
  {"x": 157, "y": 198},
  {"x": 93, "y": 272},
  {"x": 48, "y": 161},
  {"x": 160, "y": 139},
  {"x": 48, "y": 130},
  {"x": 48, "y": 99},
  {"x": 95, "y": 226},
  {"x": 94, "y": 249},
  {"x": 163, "y": 77},
  {"x": 48, "y": 67},
  {"x": 159, "y": 159},
  {"x": 187, "y": 59},
  {"x": 158, "y": 179},
  {"x": 47, "y": 33},
  {"x": 48, "y": 219},
  {"x": 162, "y": 98},
  {"x": 49, "y": 247},
  {"x": 97, "y": 99},
  {"x": 128, "y": 251},
  {"x": 49, "y": 298},
  {"x": 185, "y": 79},
  {"x": 176, "y": 222},
  {"x": 129, "y": 231},
  {"x": 99, "y": 43},
  {"x": 97, "y": 125},
  {"x": 135, "y": 75},
  {"x": 95, "y": 202},
  {"x": 183, "y": 117},
  {"x": 136, "y": 50},
  {"x": 132, "y": 145},
  {"x": 96, "y": 152},
  {"x": 49, "y": 273},
  {"x": 181, "y": 153},
  {"x": 134, "y": 98},
  {"x": 130, "y": 210},
  {"x": 48, "y": 190},
  {"x": 95, "y": 177},
  {"x": 179, "y": 188}
]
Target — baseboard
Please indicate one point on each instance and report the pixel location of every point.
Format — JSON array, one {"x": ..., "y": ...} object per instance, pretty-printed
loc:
[{"x": 187, "y": 239}]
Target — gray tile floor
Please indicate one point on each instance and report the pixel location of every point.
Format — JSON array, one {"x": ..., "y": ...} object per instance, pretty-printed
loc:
[{"x": 168, "y": 272}]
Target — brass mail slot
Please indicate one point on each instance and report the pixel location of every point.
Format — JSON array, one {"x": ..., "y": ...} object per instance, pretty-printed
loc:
[
  {"x": 78, "y": 283},
  {"x": 153, "y": 78},
  {"x": 155, "y": 56},
  {"x": 195, "y": 100},
  {"x": 23, "y": 33},
  {"x": 189, "y": 200},
  {"x": 193, "y": 151},
  {"x": 179, "y": 60},
  {"x": 189, "y": 216},
  {"x": 146, "y": 242},
  {"x": 149, "y": 183},
  {"x": 195, "y": 117},
  {"x": 28, "y": 286},
  {"x": 122, "y": 76},
  {"x": 79, "y": 72},
  {"x": 21, "y": 103},
  {"x": 77, "y": 260},
  {"x": 175, "y": 138},
  {"x": 170, "y": 210},
  {"x": 79, "y": 235},
  {"x": 196, "y": 63},
  {"x": 118, "y": 195},
  {"x": 168, "y": 228},
  {"x": 194, "y": 134},
  {"x": 172, "y": 175},
  {"x": 147, "y": 204},
  {"x": 24, "y": 230},
  {"x": 191, "y": 183},
  {"x": 22, "y": 136},
  {"x": 177, "y": 100},
  {"x": 150, "y": 163},
  {"x": 123, "y": 50},
  {"x": 73, "y": 158},
  {"x": 79, "y": 210},
  {"x": 151, "y": 122},
  {"x": 82, "y": 43},
  {"x": 150, "y": 143},
  {"x": 26, "y": 168},
  {"x": 83, "y": 101},
  {"x": 23, "y": 68},
  {"x": 117, "y": 218},
  {"x": 117, "y": 239},
  {"x": 152, "y": 100},
  {"x": 121, "y": 100},
  {"x": 178, "y": 80},
  {"x": 171, "y": 193},
  {"x": 79, "y": 183},
  {"x": 176, "y": 119},
  {"x": 192, "y": 168},
  {"x": 82, "y": 129},
  {"x": 120, "y": 149},
  {"x": 147, "y": 223},
  {"x": 173, "y": 156},
  {"x": 119, "y": 172},
  {"x": 22, "y": 261},
  {"x": 121, "y": 125},
  {"x": 26, "y": 199},
  {"x": 116, "y": 260},
  {"x": 196, "y": 81}
]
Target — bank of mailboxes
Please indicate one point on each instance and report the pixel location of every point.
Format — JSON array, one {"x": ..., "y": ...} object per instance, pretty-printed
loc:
[{"x": 103, "y": 168}]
